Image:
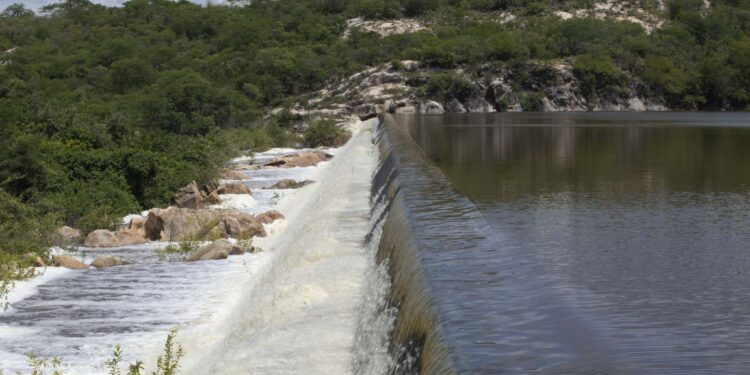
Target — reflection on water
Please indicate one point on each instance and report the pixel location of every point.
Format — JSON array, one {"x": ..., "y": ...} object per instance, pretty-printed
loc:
[
  {"x": 626, "y": 154},
  {"x": 618, "y": 242}
]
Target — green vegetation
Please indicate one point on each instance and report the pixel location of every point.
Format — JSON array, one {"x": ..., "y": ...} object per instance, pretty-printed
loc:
[
  {"x": 178, "y": 251},
  {"x": 107, "y": 111},
  {"x": 325, "y": 132},
  {"x": 24, "y": 231},
  {"x": 447, "y": 85},
  {"x": 167, "y": 363}
]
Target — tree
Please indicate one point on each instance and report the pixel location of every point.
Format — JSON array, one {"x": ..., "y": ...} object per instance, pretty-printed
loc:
[{"x": 16, "y": 10}]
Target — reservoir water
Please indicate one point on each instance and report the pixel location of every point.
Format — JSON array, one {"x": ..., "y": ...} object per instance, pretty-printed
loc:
[{"x": 581, "y": 243}]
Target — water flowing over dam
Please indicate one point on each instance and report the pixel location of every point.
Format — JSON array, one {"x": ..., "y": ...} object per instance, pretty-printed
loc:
[
  {"x": 566, "y": 243},
  {"x": 494, "y": 243},
  {"x": 442, "y": 260}
]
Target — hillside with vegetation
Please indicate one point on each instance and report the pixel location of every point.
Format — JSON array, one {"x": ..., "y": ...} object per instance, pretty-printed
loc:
[{"x": 107, "y": 111}]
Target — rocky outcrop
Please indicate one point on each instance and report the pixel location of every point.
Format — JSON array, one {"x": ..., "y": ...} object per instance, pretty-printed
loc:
[
  {"x": 192, "y": 196},
  {"x": 68, "y": 262},
  {"x": 102, "y": 238},
  {"x": 220, "y": 249},
  {"x": 133, "y": 235},
  {"x": 454, "y": 105},
  {"x": 106, "y": 261},
  {"x": 537, "y": 86},
  {"x": 431, "y": 106},
  {"x": 234, "y": 189},
  {"x": 269, "y": 217},
  {"x": 68, "y": 234},
  {"x": 289, "y": 184},
  {"x": 384, "y": 27},
  {"x": 188, "y": 196},
  {"x": 181, "y": 224},
  {"x": 305, "y": 159}
]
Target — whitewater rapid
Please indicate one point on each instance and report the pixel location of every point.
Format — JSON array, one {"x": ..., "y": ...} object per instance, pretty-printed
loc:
[
  {"x": 300, "y": 316},
  {"x": 296, "y": 307}
]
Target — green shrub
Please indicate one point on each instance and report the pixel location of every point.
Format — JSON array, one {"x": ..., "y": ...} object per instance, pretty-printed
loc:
[
  {"x": 167, "y": 363},
  {"x": 23, "y": 230},
  {"x": 325, "y": 132},
  {"x": 597, "y": 74},
  {"x": 179, "y": 251},
  {"x": 447, "y": 85},
  {"x": 531, "y": 101},
  {"x": 98, "y": 218}
]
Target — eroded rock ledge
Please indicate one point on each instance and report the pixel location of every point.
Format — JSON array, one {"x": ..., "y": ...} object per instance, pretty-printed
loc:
[{"x": 545, "y": 86}]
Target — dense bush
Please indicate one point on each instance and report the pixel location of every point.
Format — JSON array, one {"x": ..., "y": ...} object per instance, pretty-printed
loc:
[
  {"x": 325, "y": 132},
  {"x": 447, "y": 85},
  {"x": 597, "y": 75},
  {"x": 23, "y": 230}
]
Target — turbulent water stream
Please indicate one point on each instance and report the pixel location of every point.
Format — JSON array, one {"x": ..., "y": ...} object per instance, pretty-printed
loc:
[{"x": 294, "y": 308}]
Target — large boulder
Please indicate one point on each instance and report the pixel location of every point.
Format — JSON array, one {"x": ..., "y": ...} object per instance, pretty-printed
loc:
[
  {"x": 106, "y": 261},
  {"x": 289, "y": 184},
  {"x": 188, "y": 196},
  {"x": 305, "y": 159},
  {"x": 269, "y": 217},
  {"x": 101, "y": 238},
  {"x": 193, "y": 196},
  {"x": 68, "y": 262},
  {"x": 454, "y": 106},
  {"x": 69, "y": 234},
  {"x": 229, "y": 174},
  {"x": 134, "y": 235},
  {"x": 234, "y": 189},
  {"x": 36, "y": 260},
  {"x": 181, "y": 224},
  {"x": 216, "y": 250},
  {"x": 131, "y": 236},
  {"x": 137, "y": 223},
  {"x": 431, "y": 106},
  {"x": 212, "y": 198},
  {"x": 241, "y": 226}
]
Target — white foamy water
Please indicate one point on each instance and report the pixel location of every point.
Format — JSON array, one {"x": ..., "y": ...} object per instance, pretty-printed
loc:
[
  {"x": 304, "y": 288},
  {"x": 301, "y": 316}
]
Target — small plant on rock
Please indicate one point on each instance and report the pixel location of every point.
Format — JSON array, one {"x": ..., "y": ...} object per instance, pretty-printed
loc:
[
  {"x": 177, "y": 252},
  {"x": 247, "y": 245}
]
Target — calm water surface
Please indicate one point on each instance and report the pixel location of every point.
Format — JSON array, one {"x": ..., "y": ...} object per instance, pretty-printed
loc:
[{"x": 618, "y": 243}]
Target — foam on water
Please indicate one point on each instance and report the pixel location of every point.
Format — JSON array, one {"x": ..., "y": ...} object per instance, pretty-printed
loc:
[
  {"x": 25, "y": 289},
  {"x": 300, "y": 315},
  {"x": 316, "y": 257}
]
